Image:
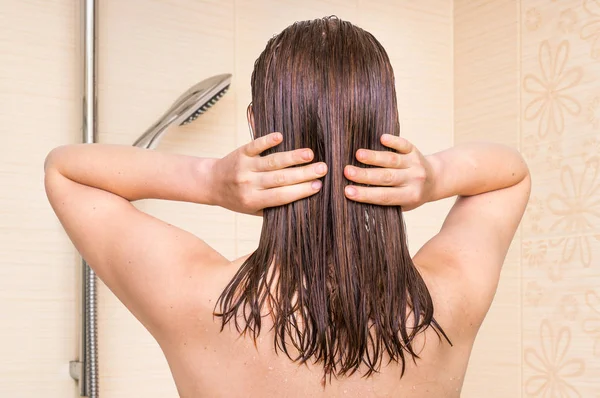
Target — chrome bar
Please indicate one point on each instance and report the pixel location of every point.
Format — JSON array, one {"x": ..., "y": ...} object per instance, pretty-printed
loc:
[{"x": 85, "y": 369}]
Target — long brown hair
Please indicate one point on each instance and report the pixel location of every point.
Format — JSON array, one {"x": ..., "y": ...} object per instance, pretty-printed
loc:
[{"x": 335, "y": 275}]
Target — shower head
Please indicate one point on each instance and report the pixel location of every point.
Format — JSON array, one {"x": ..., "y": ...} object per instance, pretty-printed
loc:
[{"x": 191, "y": 104}]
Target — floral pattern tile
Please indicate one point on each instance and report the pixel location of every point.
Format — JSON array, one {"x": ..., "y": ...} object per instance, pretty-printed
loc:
[{"x": 560, "y": 231}]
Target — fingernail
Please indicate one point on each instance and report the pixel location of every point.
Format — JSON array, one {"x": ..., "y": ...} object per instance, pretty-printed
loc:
[
  {"x": 306, "y": 155},
  {"x": 351, "y": 172},
  {"x": 277, "y": 137},
  {"x": 360, "y": 155},
  {"x": 316, "y": 185},
  {"x": 321, "y": 169},
  {"x": 350, "y": 191}
]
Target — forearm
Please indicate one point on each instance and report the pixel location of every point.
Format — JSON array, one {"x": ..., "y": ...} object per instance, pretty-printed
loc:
[
  {"x": 134, "y": 173},
  {"x": 472, "y": 169}
]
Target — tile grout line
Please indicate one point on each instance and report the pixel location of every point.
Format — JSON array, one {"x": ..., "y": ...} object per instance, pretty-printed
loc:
[
  {"x": 453, "y": 70},
  {"x": 520, "y": 143},
  {"x": 235, "y": 118}
]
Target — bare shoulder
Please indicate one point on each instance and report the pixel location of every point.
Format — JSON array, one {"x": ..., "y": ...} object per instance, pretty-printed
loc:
[
  {"x": 465, "y": 258},
  {"x": 208, "y": 282}
]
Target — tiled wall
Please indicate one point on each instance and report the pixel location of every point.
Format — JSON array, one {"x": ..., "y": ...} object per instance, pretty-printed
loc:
[
  {"x": 528, "y": 74},
  {"x": 560, "y": 136},
  {"x": 151, "y": 51},
  {"x": 486, "y": 107},
  {"x": 39, "y": 110}
]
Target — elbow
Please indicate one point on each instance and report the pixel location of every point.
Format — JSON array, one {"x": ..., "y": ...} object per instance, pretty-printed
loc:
[
  {"x": 525, "y": 174},
  {"x": 50, "y": 170},
  {"x": 51, "y": 159}
]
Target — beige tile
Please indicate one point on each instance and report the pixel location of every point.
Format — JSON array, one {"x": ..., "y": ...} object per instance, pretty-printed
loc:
[
  {"x": 486, "y": 71},
  {"x": 560, "y": 84},
  {"x": 38, "y": 111},
  {"x": 486, "y": 107}
]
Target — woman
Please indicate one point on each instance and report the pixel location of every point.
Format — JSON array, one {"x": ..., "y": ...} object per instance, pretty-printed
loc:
[{"x": 331, "y": 285}]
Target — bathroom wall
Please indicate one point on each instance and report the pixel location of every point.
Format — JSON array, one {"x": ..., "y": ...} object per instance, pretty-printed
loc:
[
  {"x": 527, "y": 73},
  {"x": 149, "y": 53},
  {"x": 486, "y": 107},
  {"x": 39, "y": 110}
]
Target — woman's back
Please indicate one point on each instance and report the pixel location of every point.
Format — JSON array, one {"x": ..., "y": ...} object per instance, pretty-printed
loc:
[{"x": 206, "y": 361}]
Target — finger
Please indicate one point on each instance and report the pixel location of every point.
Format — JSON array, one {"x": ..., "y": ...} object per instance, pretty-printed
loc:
[
  {"x": 283, "y": 195},
  {"x": 261, "y": 144},
  {"x": 398, "y": 143},
  {"x": 379, "y": 158},
  {"x": 379, "y": 176},
  {"x": 281, "y": 160},
  {"x": 294, "y": 175},
  {"x": 375, "y": 195}
]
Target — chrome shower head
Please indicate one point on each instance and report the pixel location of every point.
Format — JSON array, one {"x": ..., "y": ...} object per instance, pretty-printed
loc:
[{"x": 191, "y": 104}]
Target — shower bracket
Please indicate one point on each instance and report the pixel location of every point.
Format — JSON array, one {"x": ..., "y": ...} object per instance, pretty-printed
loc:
[{"x": 75, "y": 369}]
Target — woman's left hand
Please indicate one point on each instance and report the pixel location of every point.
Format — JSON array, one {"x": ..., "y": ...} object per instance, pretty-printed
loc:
[
  {"x": 401, "y": 178},
  {"x": 247, "y": 183}
]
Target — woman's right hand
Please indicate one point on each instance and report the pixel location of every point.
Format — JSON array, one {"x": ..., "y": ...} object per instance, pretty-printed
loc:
[
  {"x": 402, "y": 178},
  {"x": 246, "y": 182}
]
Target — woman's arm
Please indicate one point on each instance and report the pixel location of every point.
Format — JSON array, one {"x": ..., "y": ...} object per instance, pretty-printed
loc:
[
  {"x": 158, "y": 270},
  {"x": 242, "y": 181},
  {"x": 407, "y": 178},
  {"x": 134, "y": 173},
  {"x": 474, "y": 168}
]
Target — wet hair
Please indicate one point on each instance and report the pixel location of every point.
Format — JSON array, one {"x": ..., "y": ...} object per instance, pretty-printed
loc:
[{"x": 335, "y": 275}]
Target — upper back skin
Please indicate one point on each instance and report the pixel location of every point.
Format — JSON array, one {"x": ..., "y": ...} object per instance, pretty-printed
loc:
[{"x": 208, "y": 362}]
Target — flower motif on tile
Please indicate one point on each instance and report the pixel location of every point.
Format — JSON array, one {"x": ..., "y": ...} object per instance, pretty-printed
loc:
[
  {"x": 533, "y": 214},
  {"x": 531, "y": 147},
  {"x": 553, "y": 368},
  {"x": 551, "y": 89},
  {"x": 577, "y": 207},
  {"x": 534, "y": 252},
  {"x": 533, "y": 19},
  {"x": 590, "y": 147},
  {"x": 533, "y": 293},
  {"x": 591, "y": 30},
  {"x": 567, "y": 21},
  {"x": 554, "y": 269},
  {"x": 554, "y": 155},
  {"x": 593, "y": 112},
  {"x": 568, "y": 307},
  {"x": 591, "y": 325}
]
